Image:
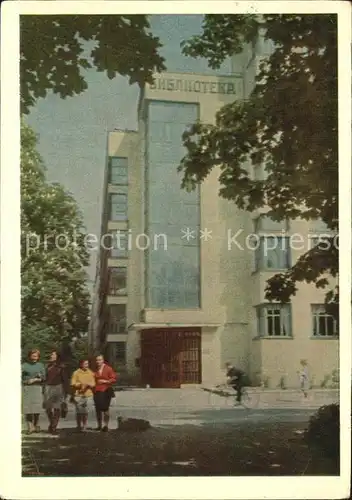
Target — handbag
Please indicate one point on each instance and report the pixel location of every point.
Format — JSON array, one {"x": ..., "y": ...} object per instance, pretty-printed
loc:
[
  {"x": 64, "y": 409},
  {"x": 110, "y": 391}
]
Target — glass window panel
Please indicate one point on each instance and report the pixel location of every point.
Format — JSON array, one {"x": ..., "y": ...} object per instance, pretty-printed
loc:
[
  {"x": 118, "y": 281},
  {"x": 159, "y": 297},
  {"x": 117, "y": 161},
  {"x": 264, "y": 223},
  {"x": 120, "y": 351},
  {"x": 120, "y": 245},
  {"x": 273, "y": 253},
  {"x": 118, "y": 173},
  {"x": 167, "y": 213},
  {"x": 274, "y": 321},
  {"x": 172, "y": 113},
  {"x": 118, "y": 204},
  {"x": 192, "y": 298},
  {"x": 317, "y": 225},
  {"x": 330, "y": 326},
  {"x": 118, "y": 319},
  {"x": 160, "y": 153},
  {"x": 324, "y": 324}
]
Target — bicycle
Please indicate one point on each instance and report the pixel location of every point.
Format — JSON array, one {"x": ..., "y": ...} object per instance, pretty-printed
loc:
[{"x": 248, "y": 400}]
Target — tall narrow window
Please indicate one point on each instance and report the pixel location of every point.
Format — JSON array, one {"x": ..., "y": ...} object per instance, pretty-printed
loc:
[
  {"x": 118, "y": 206},
  {"x": 119, "y": 351},
  {"x": 118, "y": 171},
  {"x": 172, "y": 276},
  {"x": 118, "y": 281},
  {"x": 117, "y": 319},
  {"x": 119, "y": 245}
]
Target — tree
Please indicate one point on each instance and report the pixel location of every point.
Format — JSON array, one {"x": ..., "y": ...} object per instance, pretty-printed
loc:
[
  {"x": 54, "y": 254},
  {"x": 288, "y": 125},
  {"x": 54, "y": 52}
]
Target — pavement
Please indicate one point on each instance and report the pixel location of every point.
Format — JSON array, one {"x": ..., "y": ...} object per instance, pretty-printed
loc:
[
  {"x": 194, "y": 406},
  {"x": 281, "y": 398},
  {"x": 189, "y": 428}
]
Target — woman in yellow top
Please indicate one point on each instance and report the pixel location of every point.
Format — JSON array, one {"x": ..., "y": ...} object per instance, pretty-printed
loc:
[{"x": 82, "y": 382}]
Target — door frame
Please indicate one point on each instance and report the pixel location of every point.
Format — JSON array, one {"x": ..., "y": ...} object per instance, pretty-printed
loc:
[{"x": 165, "y": 349}]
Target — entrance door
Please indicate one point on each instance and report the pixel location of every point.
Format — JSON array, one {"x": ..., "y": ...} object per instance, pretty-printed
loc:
[{"x": 171, "y": 357}]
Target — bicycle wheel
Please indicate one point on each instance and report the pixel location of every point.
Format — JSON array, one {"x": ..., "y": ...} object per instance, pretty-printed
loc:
[{"x": 249, "y": 400}]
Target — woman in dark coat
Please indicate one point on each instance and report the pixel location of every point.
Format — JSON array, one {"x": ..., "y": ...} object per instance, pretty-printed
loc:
[{"x": 56, "y": 390}]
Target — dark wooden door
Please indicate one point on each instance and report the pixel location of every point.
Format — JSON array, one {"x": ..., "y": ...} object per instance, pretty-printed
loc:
[
  {"x": 170, "y": 357},
  {"x": 191, "y": 358}
]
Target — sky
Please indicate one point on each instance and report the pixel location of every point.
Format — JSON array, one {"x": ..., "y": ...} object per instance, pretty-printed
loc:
[{"x": 73, "y": 131}]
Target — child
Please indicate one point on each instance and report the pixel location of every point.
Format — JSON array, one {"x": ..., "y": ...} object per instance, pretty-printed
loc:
[{"x": 303, "y": 377}]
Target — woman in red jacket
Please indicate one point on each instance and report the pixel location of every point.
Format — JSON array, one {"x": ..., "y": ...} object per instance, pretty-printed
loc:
[{"x": 103, "y": 391}]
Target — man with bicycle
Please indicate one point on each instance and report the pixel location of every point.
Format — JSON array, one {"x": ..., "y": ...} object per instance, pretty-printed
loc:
[{"x": 236, "y": 379}]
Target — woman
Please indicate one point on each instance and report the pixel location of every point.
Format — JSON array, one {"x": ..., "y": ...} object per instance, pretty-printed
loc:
[
  {"x": 55, "y": 390},
  {"x": 33, "y": 374},
  {"x": 104, "y": 378},
  {"x": 82, "y": 383}
]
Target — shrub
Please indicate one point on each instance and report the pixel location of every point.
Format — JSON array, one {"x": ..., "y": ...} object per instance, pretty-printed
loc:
[
  {"x": 282, "y": 382},
  {"x": 335, "y": 378},
  {"x": 324, "y": 430},
  {"x": 325, "y": 381},
  {"x": 265, "y": 381}
]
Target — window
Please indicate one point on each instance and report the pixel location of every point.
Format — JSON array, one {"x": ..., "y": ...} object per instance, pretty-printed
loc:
[
  {"x": 118, "y": 281},
  {"x": 120, "y": 245},
  {"x": 273, "y": 252},
  {"x": 172, "y": 277},
  {"x": 117, "y": 319},
  {"x": 119, "y": 351},
  {"x": 265, "y": 223},
  {"x": 118, "y": 206},
  {"x": 118, "y": 173},
  {"x": 324, "y": 325},
  {"x": 318, "y": 226},
  {"x": 274, "y": 320}
]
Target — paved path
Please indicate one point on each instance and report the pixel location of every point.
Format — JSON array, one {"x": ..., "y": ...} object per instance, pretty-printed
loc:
[{"x": 165, "y": 408}]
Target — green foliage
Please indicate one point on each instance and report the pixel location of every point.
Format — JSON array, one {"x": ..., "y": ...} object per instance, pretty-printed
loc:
[
  {"x": 55, "y": 300},
  {"x": 325, "y": 382},
  {"x": 324, "y": 431},
  {"x": 54, "y": 52},
  {"x": 335, "y": 378},
  {"x": 288, "y": 125},
  {"x": 39, "y": 336}
]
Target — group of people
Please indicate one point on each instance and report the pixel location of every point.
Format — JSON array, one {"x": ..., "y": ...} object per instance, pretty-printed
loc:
[{"x": 49, "y": 387}]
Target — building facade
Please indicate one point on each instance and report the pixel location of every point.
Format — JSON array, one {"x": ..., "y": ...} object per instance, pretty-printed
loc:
[{"x": 181, "y": 275}]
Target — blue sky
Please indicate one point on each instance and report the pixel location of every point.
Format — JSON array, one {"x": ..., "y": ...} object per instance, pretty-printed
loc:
[{"x": 73, "y": 132}]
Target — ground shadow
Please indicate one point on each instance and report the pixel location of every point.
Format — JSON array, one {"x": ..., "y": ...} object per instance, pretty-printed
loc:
[{"x": 188, "y": 450}]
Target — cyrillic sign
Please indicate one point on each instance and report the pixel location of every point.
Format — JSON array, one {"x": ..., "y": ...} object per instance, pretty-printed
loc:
[{"x": 183, "y": 85}]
